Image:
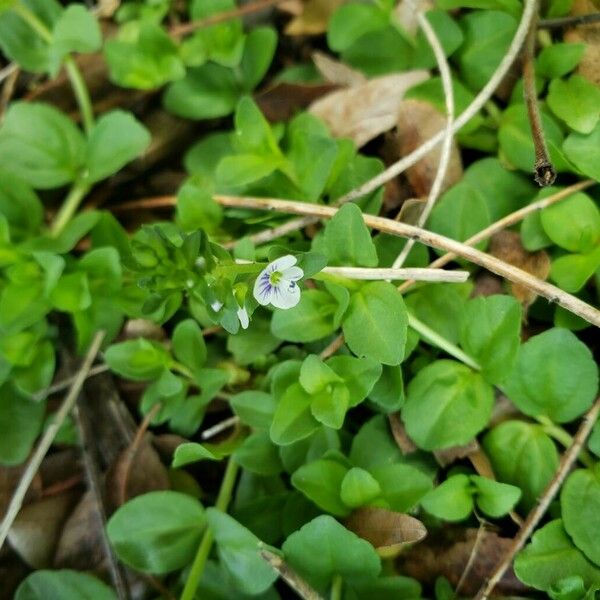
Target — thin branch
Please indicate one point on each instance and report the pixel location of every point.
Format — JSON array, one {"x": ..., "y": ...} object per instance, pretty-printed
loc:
[
  {"x": 418, "y": 274},
  {"x": 228, "y": 15},
  {"x": 48, "y": 437},
  {"x": 491, "y": 263},
  {"x": 545, "y": 173},
  {"x": 65, "y": 383},
  {"x": 481, "y": 531},
  {"x": 268, "y": 235},
  {"x": 533, "y": 518},
  {"x": 442, "y": 169},
  {"x": 9, "y": 69},
  {"x": 571, "y": 21},
  {"x": 507, "y": 221},
  {"x": 301, "y": 587},
  {"x": 220, "y": 427},
  {"x": 484, "y": 95},
  {"x": 332, "y": 348}
]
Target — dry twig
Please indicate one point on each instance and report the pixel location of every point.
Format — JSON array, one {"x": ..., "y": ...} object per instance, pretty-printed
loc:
[{"x": 533, "y": 518}]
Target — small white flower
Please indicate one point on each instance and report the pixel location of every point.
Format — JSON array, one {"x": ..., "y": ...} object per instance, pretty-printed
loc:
[
  {"x": 242, "y": 315},
  {"x": 216, "y": 305},
  {"x": 277, "y": 285}
]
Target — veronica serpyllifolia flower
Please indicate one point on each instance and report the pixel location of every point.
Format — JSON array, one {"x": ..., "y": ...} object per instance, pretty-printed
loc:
[
  {"x": 242, "y": 315},
  {"x": 277, "y": 285}
]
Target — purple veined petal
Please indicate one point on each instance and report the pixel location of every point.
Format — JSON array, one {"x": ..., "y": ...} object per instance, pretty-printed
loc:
[
  {"x": 283, "y": 262},
  {"x": 262, "y": 288},
  {"x": 288, "y": 295},
  {"x": 292, "y": 274}
]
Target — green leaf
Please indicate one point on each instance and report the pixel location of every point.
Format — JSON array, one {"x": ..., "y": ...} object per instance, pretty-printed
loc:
[
  {"x": 321, "y": 481},
  {"x": 19, "y": 42},
  {"x": 191, "y": 452},
  {"x": 576, "y": 101},
  {"x": 324, "y": 548},
  {"x": 72, "y": 293},
  {"x": 348, "y": 240},
  {"x": 242, "y": 169},
  {"x": 572, "y": 271},
  {"x": 20, "y": 423},
  {"x": 516, "y": 144},
  {"x": 311, "y": 319},
  {"x": 574, "y": 223},
  {"x": 490, "y": 333},
  {"x": 252, "y": 344},
  {"x": 189, "y": 347},
  {"x": 76, "y": 30},
  {"x": 254, "y": 408},
  {"x": 488, "y": 34},
  {"x": 293, "y": 419},
  {"x": 117, "y": 138},
  {"x": 40, "y": 145},
  {"x": 555, "y": 375},
  {"x": 447, "y": 404},
  {"x": 584, "y": 152},
  {"x": 558, "y": 59},
  {"x": 452, "y": 500},
  {"x": 495, "y": 499},
  {"x": 388, "y": 391},
  {"x": 20, "y": 205},
  {"x": 359, "y": 375},
  {"x": 359, "y": 488},
  {"x": 145, "y": 62},
  {"x": 315, "y": 375},
  {"x": 158, "y": 532},
  {"x": 550, "y": 557},
  {"x": 257, "y": 454},
  {"x": 580, "y": 506},
  {"x": 523, "y": 455},
  {"x": 63, "y": 585},
  {"x": 239, "y": 552},
  {"x": 448, "y": 33},
  {"x": 375, "y": 324},
  {"x": 351, "y": 21},
  {"x": 138, "y": 359},
  {"x": 329, "y": 406},
  {"x": 259, "y": 50},
  {"x": 510, "y": 6},
  {"x": 402, "y": 486}
]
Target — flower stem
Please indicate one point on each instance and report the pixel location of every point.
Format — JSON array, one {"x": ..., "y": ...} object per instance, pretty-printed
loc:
[
  {"x": 433, "y": 337},
  {"x": 337, "y": 586},
  {"x": 223, "y": 499},
  {"x": 564, "y": 438},
  {"x": 77, "y": 82},
  {"x": 69, "y": 207}
]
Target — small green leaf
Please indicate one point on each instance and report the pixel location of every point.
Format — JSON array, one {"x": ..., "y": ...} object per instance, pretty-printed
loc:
[
  {"x": 191, "y": 452},
  {"x": 117, "y": 138},
  {"x": 359, "y": 375},
  {"x": 452, "y": 500},
  {"x": 241, "y": 169},
  {"x": 189, "y": 347},
  {"x": 315, "y": 375},
  {"x": 239, "y": 552},
  {"x": 40, "y": 145},
  {"x": 572, "y": 271},
  {"x": 522, "y": 455},
  {"x": 576, "y": 101},
  {"x": 348, "y": 240},
  {"x": 574, "y": 223},
  {"x": 254, "y": 408},
  {"x": 447, "y": 404},
  {"x": 376, "y": 322},
  {"x": 402, "y": 486},
  {"x": 329, "y": 406},
  {"x": 259, "y": 50},
  {"x": 359, "y": 488},
  {"x": 257, "y": 454},
  {"x": 71, "y": 293},
  {"x": 545, "y": 382},
  {"x": 580, "y": 505},
  {"x": 584, "y": 151},
  {"x": 293, "y": 419},
  {"x": 495, "y": 499},
  {"x": 550, "y": 557},
  {"x": 138, "y": 359},
  {"x": 558, "y": 59},
  {"x": 490, "y": 333},
  {"x": 324, "y": 548},
  {"x": 321, "y": 482},
  {"x": 353, "y": 20},
  {"x": 63, "y": 585},
  {"x": 158, "y": 532}
]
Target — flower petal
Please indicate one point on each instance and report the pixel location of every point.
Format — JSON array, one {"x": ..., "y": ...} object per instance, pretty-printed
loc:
[
  {"x": 287, "y": 295},
  {"x": 242, "y": 315},
  {"x": 216, "y": 306},
  {"x": 263, "y": 290},
  {"x": 282, "y": 263},
  {"x": 292, "y": 274}
]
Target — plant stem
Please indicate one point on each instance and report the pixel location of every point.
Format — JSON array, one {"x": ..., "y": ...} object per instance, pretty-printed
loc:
[
  {"x": 69, "y": 207},
  {"x": 564, "y": 438},
  {"x": 337, "y": 586},
  {"x": 223, "y": 499},
  {"x": 433, "y": 337},
  {"x": 81, "y": 92},
  {"x": 77, "y": 82}
]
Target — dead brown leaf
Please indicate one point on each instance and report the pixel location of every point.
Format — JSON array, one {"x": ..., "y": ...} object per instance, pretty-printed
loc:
[
  {"x": 401, "y": 438},
  {"x": 507, "y": 246},
  {"x": 450, "y": 455},
  {"x": 363, "y": 112},
  {"x": 389, "y": 532},
  {"x": 9, "y": 478},
  {"x": 335, "y": 71},
  {"x": 447, "y": 553},
  {"x": 411, "y": 211},
  {"x": 36, "y": 530},
  {"x": 407, "y": 11},
  {"x": 314, "y": 17},
  {"x": 589, "y": 66},
  {"x": 417, "y": 122}
]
